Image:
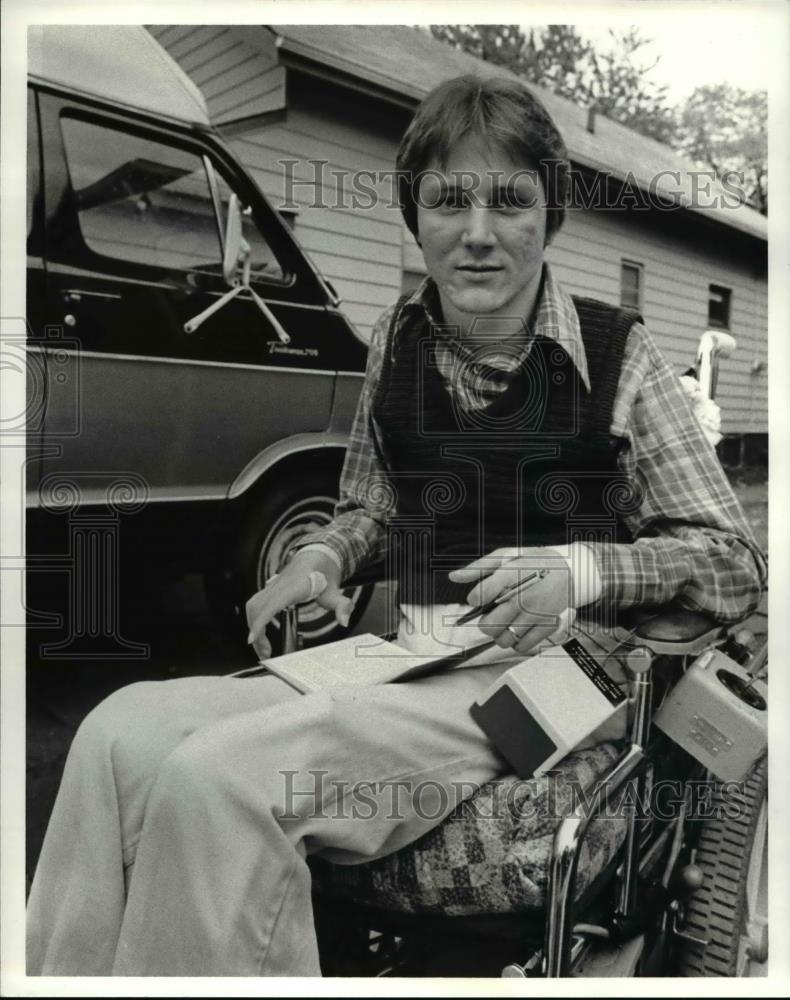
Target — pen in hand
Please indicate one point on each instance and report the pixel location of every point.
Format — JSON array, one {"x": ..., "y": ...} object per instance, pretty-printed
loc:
[{"x": 516, "y": 588}]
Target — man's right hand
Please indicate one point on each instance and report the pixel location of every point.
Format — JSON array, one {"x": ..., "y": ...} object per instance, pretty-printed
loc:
[{"x": 292, "y": 585}]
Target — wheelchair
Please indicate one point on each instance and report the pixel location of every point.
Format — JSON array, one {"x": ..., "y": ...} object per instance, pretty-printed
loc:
[
  {"x": 602, "y": 884},
  {"x": 531, "y": 880}
]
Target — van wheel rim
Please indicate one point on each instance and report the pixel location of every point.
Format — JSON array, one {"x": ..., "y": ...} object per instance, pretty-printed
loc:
[{"x": 276, "y": 549}]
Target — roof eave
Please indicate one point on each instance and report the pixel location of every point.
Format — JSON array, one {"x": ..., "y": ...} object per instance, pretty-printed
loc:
[
  {"x": 316, "y": 62},
  {"x": 351, "y": 78}
]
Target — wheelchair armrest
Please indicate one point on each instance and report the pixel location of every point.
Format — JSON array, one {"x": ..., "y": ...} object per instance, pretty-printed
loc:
[{"x": 675, "y": 631}]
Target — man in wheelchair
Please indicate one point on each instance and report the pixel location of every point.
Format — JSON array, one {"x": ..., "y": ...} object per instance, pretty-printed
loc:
[{"x": 503, "y": 428}]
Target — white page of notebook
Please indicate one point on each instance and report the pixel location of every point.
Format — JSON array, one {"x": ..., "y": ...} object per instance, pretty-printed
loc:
[{"x": 359, "y": 659}]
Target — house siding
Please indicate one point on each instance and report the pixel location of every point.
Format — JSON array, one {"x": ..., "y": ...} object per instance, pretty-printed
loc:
[
  {"x": 587, "y": 254},
  {"x": 238, "y": 74},
  {"x": 358, "y": 250},
  {"x": 364, "y": 251}
]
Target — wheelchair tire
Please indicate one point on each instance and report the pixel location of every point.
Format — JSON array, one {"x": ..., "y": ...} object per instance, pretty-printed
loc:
[{"x": 729, "y": 910}]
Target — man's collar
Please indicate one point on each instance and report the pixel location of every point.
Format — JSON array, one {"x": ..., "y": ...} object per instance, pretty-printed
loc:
[{"x": 555, "y": 317}]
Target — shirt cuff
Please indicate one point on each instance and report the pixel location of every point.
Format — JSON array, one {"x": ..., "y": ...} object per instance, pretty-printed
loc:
[{"x": 585, "y": 574}]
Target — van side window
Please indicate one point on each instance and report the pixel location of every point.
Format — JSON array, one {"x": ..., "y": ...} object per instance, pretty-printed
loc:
[
  {"x": 146, "y": 202},
  {"x": 140, "y": 201}
]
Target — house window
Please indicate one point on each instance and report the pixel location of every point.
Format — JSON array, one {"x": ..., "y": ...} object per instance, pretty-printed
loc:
[
  {"x": 719, "y": 306},
  {"x": 631, "y": 285}
]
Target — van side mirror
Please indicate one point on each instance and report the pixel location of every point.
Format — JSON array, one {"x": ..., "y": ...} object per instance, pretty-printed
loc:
[
  {"x": 233, "y": 240},
  {"x": 237, "y": 253}
]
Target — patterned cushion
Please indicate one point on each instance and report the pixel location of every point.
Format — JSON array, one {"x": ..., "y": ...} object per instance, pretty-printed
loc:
[{"x": 491, "y": 855}]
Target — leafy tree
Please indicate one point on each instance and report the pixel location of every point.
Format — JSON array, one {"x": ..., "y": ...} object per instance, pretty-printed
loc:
[
  {"x": 616, "y": 82},
  {"x": 558, "y": 59},
  {"x": 725, "y": 128},
  {"x": 719, "y": 126},
  {"x": 496, "y": 43}
]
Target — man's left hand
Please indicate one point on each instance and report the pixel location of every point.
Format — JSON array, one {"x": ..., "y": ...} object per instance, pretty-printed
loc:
[{"x": 527, "y": 618}]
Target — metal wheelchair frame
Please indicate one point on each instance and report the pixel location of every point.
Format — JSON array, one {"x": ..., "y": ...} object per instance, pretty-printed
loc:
[
  {"x": 678, "y": 634},
  {"x": 570, "y": 833}
]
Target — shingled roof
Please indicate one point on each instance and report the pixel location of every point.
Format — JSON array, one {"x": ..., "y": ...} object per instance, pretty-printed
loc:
[{"x": 401, "y": 64}]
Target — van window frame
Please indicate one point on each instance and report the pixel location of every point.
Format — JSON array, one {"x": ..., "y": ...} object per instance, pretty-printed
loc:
[
  {"x": 213, "y": 187},
  {"x": 303, "y": 287},
  {"x": 203, "y": 157},
  {"x": 34, "y": 176}
]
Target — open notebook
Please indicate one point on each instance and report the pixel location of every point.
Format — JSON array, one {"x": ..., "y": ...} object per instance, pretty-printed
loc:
[{"x": 359, "y": 659}]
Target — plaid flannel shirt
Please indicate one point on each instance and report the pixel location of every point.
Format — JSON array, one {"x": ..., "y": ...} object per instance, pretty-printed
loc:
[{"x": 692, "y": 543}]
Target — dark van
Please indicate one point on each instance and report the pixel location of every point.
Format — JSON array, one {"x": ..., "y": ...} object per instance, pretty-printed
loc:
[{"x": 190, "y": 368}]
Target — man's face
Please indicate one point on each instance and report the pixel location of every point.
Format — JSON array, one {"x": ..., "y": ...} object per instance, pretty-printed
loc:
[{"x": 482, "y": 226}]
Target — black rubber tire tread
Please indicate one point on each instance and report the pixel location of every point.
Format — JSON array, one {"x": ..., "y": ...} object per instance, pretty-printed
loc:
[{"x": 716, "y": 912}]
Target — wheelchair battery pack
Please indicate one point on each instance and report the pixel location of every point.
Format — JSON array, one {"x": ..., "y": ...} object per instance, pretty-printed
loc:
[
  {"x": 717, "y": 713},
  {"x": 538, "y": 711}
]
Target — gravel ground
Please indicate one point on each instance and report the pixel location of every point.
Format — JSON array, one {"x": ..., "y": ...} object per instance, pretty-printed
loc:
[{"x": 175, "y": 620}]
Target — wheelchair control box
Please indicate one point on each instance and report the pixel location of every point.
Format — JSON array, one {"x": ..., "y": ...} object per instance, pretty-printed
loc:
[
  {"x": 717, "y": 713},
  {"x": 540, "y": 710}
]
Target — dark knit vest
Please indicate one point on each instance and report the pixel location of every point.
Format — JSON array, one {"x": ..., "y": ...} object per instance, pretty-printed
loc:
[{"x": 537, "y": 466}]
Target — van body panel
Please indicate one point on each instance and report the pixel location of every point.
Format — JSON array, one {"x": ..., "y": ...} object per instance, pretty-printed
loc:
[
  {"x": 309, "y": 445},
  {"x": 183, "y": 412},
  {"x": 183, "y": 429},
  {"x": 127, "y": 207},
  {"x": 347, "y": 390},
  {"x": 35, "y": 371},
  {"x": 118, "y": 63}
]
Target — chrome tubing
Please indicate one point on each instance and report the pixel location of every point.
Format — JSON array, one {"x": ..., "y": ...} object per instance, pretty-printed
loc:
[
  {"x": 290, "y": 626},
  {"x": 568, "y": 840},
  {"x": 638, "y": 664}
]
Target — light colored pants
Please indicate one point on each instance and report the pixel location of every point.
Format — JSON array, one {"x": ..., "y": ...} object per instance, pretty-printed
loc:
[{"x": 187, "y": 808}]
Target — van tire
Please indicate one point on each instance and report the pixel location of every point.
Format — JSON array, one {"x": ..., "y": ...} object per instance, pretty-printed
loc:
[{"x": 259, "y": 550}]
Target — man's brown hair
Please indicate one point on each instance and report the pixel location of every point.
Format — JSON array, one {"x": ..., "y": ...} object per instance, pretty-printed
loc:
[{"x": 504, "y": 114}]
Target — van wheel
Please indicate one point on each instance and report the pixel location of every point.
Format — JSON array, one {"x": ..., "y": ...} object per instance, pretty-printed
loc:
[
  {"x": 728, "y": 914},
  {"x": 268, "y": 535}
]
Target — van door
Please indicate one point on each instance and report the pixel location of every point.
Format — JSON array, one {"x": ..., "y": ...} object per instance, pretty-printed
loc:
[
  {"x": 35, "y": 406},
  {"x": 134, "y": 251}
]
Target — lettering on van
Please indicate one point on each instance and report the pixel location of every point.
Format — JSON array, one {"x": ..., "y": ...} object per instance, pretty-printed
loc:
[{"x": 275, "y": 347}]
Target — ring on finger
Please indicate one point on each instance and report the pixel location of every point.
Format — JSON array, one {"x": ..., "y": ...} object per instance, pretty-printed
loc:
[{"x": 513, "y": 632}]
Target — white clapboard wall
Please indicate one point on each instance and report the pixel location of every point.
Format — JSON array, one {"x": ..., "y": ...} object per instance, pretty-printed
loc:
[{"x": 365, "y": 250}]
